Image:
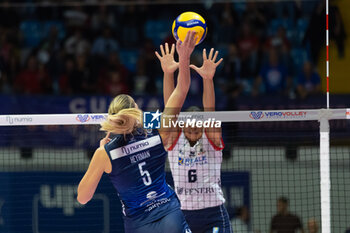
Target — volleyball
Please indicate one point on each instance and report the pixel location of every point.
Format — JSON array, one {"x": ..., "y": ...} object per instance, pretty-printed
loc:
[{"x": 189, "y": 21}]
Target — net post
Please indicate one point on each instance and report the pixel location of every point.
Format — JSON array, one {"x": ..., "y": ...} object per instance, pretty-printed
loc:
[{"x": 325, "y": 181}]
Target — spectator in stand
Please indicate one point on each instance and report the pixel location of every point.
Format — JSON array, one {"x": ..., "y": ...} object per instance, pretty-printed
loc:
[
  {"x": 75, "y": 17},
  {"x": 309, "y": 81},
  {"x": 114, "y": 63},
  {"x": 131, "y": 34},
  {"x": 256, "y": 17},
  {"x": 76, "y": 44},
  {"x": 152, "y": 69},
  {"x": 284, "y": 221},
  {"x": 232, "y": 73},
  {"x": 64, "y": 85},
  {"x": 312, "y": 226},
  {"x": 248, "y": 45},
  {"x": 105, "y": 44},
  {"x": 4, "y": 82},
  {"x": 347, "y": 231},
  {"x": 9, "y": 61},
  {"x": 50, "y": 51},
  {"x": 140, "y": 80},
  {"x": 273, "y": 77},
  {"x": 339, "y": 33},
  {"x": 33, "y": 79},
  {"x": 114, "y": 84},
  {"x": 279, "y": 40},
  {"x": 52, "y": 43},
  {"x": 103, "y": 18},
  {"x": 315, "y": 32},
  {"x": 240, "y": 223},
  {"x": 227, "y": 25},
  {"x": 81, "y": 79}
]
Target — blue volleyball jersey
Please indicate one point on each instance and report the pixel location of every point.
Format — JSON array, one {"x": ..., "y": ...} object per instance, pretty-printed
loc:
[{"x": 138, "y": 175}]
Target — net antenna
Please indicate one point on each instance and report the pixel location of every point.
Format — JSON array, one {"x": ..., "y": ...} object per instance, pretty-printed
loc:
[
  {"x": 327, "y": 48},
  {"x": 325, "y": 180}
]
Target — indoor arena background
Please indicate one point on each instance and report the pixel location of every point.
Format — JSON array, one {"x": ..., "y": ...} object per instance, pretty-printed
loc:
[{"x": 75, "y": 56}]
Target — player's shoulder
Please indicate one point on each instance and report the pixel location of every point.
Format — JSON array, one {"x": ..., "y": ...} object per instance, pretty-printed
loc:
[{"x": 118, "y": 140}]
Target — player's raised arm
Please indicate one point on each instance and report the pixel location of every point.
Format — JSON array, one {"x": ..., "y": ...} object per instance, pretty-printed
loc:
[
  {"x": 169, "y": 66},
  {"x": 207, "y": 72},
  {"x": 178, "y": 96}
]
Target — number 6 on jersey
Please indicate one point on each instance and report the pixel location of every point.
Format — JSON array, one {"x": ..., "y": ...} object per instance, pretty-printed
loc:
[{"x": 146, "y": 177}]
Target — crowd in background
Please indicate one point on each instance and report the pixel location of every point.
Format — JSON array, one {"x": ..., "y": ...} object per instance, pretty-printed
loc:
[
  {"x": 282, "y": 221},
  {"x": 268, "y": 48}
]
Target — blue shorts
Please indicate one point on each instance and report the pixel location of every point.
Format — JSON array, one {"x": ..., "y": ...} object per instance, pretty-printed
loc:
[
  {"x": 208, "y": 220},
  {"x": 173, "y": 222}
]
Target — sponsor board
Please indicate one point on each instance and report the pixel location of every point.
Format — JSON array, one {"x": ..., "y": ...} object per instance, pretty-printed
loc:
[
  {"x": 277, "y": 115},
  {"x": 82, "y": 118},
  {"x": 90, "y": 117},
  {"x": 98, "y": 118},
  {"x": 20, "y": 119}
]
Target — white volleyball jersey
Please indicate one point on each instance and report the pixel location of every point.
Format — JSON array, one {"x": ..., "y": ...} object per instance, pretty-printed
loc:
[{"x": 196, "y": 172}]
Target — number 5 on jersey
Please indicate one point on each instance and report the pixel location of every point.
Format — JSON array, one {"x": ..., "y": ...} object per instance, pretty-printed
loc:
[{"x": 146, "y": 177}]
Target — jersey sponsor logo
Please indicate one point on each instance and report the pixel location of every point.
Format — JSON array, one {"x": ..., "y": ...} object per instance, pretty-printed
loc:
[
  {"x": 192, "y": 157},
  {"x": 135, "y": 147},
  {"x": 151, "y": 197},
  {"x": 192, "y": 161},
  {"x": 191, "y": 191},
  {"x": 215, "y": 229},
  {"x": 156, "y": 204}
]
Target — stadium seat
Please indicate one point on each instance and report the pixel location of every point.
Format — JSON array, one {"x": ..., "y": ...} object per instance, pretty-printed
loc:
[
  {"x": 129, "y": 58},
  {"x": 299, "y": 56},
  {"x": 32, "y": 33},
  {"x": 47, "y": 25},
  {"x": 156, "y": 30},
  {"x": 301, "y": 27}
]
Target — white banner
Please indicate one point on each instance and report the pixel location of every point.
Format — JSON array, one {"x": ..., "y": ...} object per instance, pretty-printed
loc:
[{"x": 224, "y": 116}]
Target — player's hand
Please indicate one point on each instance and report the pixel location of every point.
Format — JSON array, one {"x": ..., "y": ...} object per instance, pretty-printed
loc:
[
  {"x": 207, "y": 70},
  {"x": 185, "y": 48},
  {"x": 169, "y": 65},
  {"x": 105, "y": 140}
]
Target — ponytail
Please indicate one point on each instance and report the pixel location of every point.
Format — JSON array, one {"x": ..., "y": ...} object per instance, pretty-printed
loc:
[{"x": 123, "y": 122}]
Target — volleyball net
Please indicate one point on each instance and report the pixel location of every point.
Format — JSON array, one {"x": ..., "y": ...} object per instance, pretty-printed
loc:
[{"x": 302, "y": 155}]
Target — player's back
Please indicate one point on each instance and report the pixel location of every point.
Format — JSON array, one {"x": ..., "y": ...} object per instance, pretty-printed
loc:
[{"x": 138, "y": 163}]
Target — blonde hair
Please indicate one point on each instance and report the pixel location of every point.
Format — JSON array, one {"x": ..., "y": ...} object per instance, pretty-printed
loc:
[{"x": 123, "y": 116}]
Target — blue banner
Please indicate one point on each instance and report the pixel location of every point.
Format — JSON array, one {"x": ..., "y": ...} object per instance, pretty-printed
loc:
[
  {"x": 22, "y": 104},
  {"x": 45, "y": 202}
]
